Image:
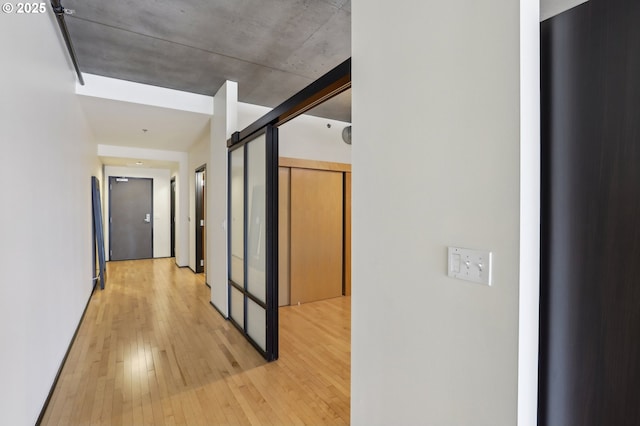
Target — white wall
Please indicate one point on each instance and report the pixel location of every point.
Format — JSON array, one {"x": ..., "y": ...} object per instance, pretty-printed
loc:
[
  {"x": 161, "y": 205},
  {"x": 305, "y": 136},
  {"x": 198, "y": 156},
  {"x": 48, "y": 158},
  {"x": 223, "y": 124},
  {"x": 436, "y": 160},
  {"x": 144, "y": 94}
]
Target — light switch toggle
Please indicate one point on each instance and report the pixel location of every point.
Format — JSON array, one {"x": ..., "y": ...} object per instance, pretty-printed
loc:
[
  {"x": 455, "y": 263},
  {"x": 470, "y": 265}
]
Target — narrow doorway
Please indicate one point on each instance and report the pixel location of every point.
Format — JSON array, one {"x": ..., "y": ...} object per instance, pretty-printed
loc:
[
  {"x": 200, "y": 224},
  {"x": 173, "y": 217},
  {"x": 131, "y": 218}
]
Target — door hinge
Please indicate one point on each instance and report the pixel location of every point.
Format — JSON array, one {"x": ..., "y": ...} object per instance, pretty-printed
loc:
[
  {"x": 201, "y": 262},
  {"x": 110, "y": 220},
  {"x": 201, "y": 222}
]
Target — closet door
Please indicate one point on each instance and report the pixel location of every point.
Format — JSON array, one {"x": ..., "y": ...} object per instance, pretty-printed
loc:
[
  {"x": 316, "y": 268},
  {"x": 284, "y": 207},
  {"x": 347, "y": 234}
]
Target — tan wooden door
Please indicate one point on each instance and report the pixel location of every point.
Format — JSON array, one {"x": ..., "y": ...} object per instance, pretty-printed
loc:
[
  {"x": 316, "y": 269},
  {"x": 347, "y": 234},
  {"x": 284, "y": 175}
]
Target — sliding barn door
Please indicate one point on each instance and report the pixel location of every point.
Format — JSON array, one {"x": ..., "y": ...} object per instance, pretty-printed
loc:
[{"x": 253, "y": 239}]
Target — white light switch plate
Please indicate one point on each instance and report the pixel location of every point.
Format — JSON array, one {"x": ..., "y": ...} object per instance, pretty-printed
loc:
[{"x": 470, "y": 265}]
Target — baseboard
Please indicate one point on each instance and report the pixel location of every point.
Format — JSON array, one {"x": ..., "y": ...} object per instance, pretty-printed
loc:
[
  {"x": 64, "y": 359},
  {"x": 218, "y": 310}
]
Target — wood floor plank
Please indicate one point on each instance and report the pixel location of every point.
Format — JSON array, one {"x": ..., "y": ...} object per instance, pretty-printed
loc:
[{"x": 152, "y": 351}]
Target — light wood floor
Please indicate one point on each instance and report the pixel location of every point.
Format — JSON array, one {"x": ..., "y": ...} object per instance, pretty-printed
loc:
[{"x": 152, "y": 350}]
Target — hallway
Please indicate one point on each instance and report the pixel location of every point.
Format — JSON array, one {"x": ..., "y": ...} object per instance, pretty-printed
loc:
[{"x": 152, "y": 350}]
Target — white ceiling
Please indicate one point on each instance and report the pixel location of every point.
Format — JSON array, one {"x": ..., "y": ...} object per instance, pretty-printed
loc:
[{"x": 122, "y": 123}]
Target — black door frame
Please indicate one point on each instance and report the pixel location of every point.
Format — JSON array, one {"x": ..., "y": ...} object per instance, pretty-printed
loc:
[
  {"x": 201, "y": 220},
  {"x": 173, "y": 217}
]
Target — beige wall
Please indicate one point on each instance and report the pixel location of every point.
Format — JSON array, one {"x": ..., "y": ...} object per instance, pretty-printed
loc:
[{"x": 436, "y": 162}]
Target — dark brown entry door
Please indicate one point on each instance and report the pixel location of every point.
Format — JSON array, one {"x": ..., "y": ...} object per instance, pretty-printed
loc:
[
  {"x": 131, "y": 218},
  {"x": 201, "y": 236},
  {"x": 590, "y": 216},
  {"x": 173, "y": 217}
]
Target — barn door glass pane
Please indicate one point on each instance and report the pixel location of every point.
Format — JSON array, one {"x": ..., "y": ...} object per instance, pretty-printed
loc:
[
  {"x": 256, "y": 233},
  {"x": 236, "y": 217},
  {"x": 236, "y": 310},
  {"x": 257, "y": 324}
]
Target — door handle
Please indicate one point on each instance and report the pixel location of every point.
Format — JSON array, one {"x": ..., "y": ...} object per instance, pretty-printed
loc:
[{"x": 147, "y": 218}]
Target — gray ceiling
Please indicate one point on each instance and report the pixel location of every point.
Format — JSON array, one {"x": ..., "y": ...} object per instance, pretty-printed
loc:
[
  {"x": 549, "y": 8},
  {"x": 272, "y": 48}
]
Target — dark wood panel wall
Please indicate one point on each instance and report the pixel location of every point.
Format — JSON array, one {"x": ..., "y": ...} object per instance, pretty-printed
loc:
[{"x": 590, "y": 289}]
